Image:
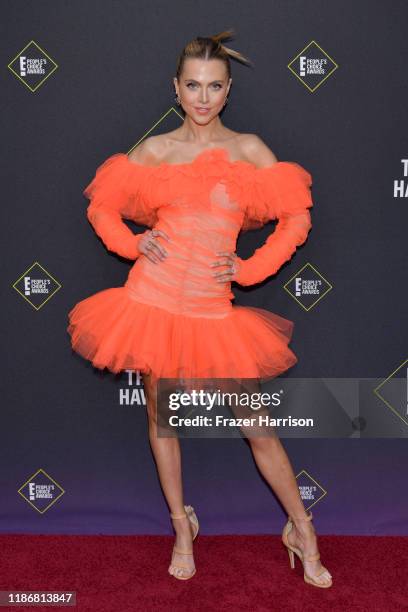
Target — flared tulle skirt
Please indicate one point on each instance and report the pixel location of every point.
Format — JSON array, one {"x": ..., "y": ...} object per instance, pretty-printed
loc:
[{"x": 113, "y": 330}]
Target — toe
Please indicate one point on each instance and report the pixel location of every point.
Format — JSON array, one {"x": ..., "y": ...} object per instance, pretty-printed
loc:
[{"x": 326, "y": 578}]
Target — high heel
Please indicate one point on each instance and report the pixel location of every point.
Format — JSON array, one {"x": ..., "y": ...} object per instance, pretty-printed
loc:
[
  {"x": 189, "y": 512},
  {"x": 292, "y": 550}
]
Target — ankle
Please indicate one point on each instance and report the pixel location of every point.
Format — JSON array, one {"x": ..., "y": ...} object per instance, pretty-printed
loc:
[
  {"x": 302, "y": 521},
  {"x": 303, "y": 529},
  {"x": 182, "y": 526},
  {"x": 306, "y": 536}
]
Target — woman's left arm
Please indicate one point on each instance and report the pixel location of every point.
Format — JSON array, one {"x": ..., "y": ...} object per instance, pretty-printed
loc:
[
  {"x": 291, "y": 231},
  {"x": 287, "y": 197}
]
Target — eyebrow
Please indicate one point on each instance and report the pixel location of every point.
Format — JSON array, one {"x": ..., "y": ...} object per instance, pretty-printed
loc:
[{"x": 194, "y": 81}]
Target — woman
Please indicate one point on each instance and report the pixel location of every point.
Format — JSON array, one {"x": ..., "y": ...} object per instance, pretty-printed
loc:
[{"x": 197, "y": 187}]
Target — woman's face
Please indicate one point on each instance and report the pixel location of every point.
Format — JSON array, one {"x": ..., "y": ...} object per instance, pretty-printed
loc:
[{"x": 202, "y": 88}]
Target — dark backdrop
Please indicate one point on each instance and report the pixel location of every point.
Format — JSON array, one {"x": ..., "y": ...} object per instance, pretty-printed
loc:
[{"x": 113, "y": 84}]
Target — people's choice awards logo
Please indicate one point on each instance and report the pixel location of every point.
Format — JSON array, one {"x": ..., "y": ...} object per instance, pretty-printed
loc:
[
  {"x": 32, "y": 66},
  {"x": 36, "y": 285},
  {"x": 310, "y": 490},
  {"x": 41, "y": 491},
  {"x": 307, "y": 286},
  {"x": 312, "y": 66}
]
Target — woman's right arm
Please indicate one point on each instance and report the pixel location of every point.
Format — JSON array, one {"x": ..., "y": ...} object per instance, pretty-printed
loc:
[{"x": 111, "y": 201}]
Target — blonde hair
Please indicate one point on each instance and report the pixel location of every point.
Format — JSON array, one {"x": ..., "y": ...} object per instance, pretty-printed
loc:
[{"x": 210, "y": 47}]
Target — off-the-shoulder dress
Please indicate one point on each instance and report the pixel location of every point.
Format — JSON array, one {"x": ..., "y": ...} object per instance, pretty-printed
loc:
[{"x": 172, "y": 319}]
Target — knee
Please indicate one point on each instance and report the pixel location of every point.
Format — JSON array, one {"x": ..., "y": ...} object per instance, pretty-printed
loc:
[{"x": 261, "y": 444}]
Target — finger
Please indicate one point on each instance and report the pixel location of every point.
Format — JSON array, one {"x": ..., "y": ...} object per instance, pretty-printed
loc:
[
  {"x": 224, "y": 278},
  {"x": 218, "y": 274},
  {"x": 219, "y": 263},
  {"x": 226, "y": 255},
  {"x": 226, "y": 262},
  {"x": 158, "y": 245},
  {"x": 159, "y": 250},
  {"x": 161, "y": 233},
  {"x": 223, "y": 274},
  {"x": 153, "y": 258},
  {"x": 231, "y": 266}
]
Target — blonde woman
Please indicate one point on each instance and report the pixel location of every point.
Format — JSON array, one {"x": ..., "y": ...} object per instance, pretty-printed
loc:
[{"x": 195, "y": 188}]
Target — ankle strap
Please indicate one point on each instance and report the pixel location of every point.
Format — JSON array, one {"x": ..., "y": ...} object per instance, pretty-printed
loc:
[
  {"x": 182, "y": 552},
  {"x": 178, "y": 516},
  {"x": 303, "y": 518}
]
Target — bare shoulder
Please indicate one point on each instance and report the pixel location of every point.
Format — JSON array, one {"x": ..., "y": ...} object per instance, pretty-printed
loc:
[
  {"x": 148, "y": 152},
  {"x": 256, "y": 151}
]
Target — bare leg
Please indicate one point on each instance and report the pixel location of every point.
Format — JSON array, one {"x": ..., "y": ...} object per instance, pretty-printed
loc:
[
  {"x": 274, "y": 464},
  {"x": 167, "y": 455}
]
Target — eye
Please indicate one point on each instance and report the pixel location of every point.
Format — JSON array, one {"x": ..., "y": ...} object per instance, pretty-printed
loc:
[{"x": 216, "y": 85}]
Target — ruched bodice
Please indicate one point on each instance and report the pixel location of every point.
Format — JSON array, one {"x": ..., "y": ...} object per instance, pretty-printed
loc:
[{"x": 184, "y": 282}]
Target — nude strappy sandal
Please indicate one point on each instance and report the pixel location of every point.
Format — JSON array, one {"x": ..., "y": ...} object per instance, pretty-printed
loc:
[
  {"x": 292, "y": 550},
  {"x": 189, "y": 511}
]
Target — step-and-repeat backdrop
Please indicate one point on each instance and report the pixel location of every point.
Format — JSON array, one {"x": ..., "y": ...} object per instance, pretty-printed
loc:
[{"x": 84, "y": 80}]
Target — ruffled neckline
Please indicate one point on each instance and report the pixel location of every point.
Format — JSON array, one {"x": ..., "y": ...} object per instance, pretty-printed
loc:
[
  {"x": 216, "y": 155},
  {"x": 213, "y": 163}
]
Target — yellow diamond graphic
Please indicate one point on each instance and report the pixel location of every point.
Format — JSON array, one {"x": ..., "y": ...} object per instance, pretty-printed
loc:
[
  {"x": 36, "y": 285},
  {"x": 393, "y": 391},
  {"x": 309, "y": 488},
  {"x": 41, "y": 491},
  {"x": 32, "y": 66},
  {"x": 307, "y": 286},
  {"x": 312, "y": 66}
]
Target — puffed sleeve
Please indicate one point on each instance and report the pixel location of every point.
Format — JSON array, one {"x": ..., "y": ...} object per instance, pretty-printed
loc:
[
  {"x": 282, "y": 192},
  {"x": 115, "y": 194}
]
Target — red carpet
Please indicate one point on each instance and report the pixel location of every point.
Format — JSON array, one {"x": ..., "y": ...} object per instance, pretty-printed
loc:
[{"x": 129, "y": 573}]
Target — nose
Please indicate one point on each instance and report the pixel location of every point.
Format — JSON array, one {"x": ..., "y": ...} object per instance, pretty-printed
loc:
[{"x": 203, "y": 97}]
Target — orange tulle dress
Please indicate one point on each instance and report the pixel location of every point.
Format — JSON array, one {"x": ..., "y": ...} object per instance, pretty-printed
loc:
[{"x": 172, "y": 319}]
